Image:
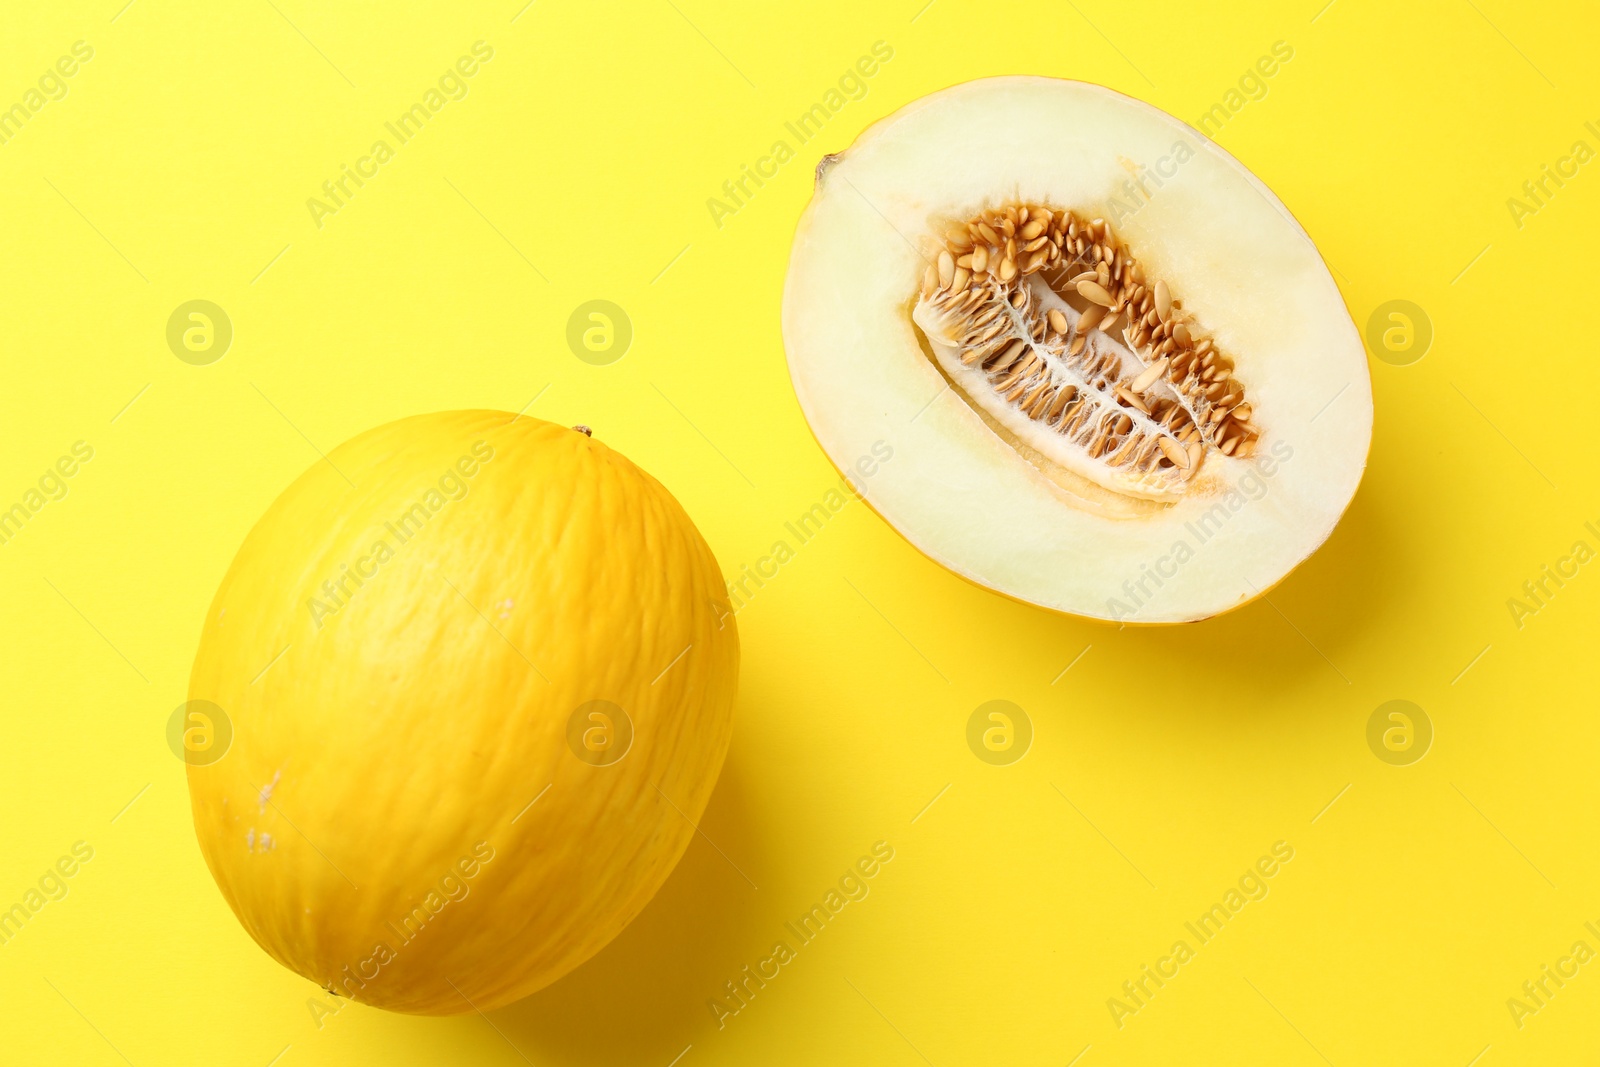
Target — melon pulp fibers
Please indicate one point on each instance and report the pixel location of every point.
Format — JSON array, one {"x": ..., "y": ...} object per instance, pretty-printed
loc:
[
  {"x": 1116, "y": 393},
  {"x": 425, "y": 647}
]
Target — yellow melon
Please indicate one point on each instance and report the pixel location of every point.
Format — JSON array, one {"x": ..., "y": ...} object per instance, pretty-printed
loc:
[
  {"x": 480, "y": 673},
  {"x": 1118, "y": 378}
]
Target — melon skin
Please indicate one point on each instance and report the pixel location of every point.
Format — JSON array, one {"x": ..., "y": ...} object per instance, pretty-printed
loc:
[
  {"x": 962, "y": 494},
  {"x": 393, "y": 754}
]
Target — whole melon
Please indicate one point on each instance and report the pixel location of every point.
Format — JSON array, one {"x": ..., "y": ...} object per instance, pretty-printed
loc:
[{"x": 479, "y": 675}]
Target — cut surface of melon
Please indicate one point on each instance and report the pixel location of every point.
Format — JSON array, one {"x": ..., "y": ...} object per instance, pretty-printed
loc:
[{"x": 1117, "y": 378}]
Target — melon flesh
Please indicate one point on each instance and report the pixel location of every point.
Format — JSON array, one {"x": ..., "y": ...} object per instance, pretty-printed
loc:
[{"x": 1007, "y": 500}]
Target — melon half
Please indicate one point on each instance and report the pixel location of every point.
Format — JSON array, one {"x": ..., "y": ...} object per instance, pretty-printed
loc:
[{"x": 1116, "y": 376}]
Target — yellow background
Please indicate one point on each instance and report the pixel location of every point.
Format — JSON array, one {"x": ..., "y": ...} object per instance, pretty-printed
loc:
[{"x": 1164, "y": 761}]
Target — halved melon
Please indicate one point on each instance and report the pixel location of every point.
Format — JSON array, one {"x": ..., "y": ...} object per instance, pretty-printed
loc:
[{"x": 1116, "y": 376}]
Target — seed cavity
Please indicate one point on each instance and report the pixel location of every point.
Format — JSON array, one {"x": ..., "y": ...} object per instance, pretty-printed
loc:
[{"x": 1046, "y": 322}]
